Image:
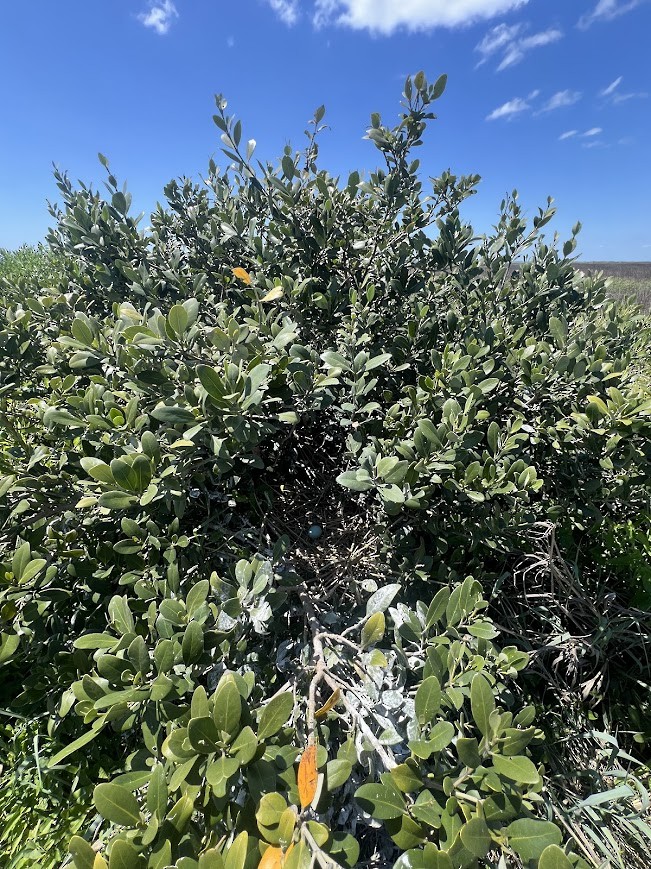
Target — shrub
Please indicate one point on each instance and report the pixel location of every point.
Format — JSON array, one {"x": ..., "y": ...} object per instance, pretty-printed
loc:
[{"x": 262, "y": 464}]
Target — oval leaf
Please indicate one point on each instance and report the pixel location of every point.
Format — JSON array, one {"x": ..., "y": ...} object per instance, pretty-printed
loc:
[
  {"x": 117, "y": 804},
  {"x": 307, "y": 776}
]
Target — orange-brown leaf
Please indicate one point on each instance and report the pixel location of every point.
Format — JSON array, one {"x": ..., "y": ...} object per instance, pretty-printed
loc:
[
  {"x": 330, "y": 703},
  {"x": 242, "y": 274},
  {"x": 271, "y": 859},
  {"x": 307, "y": 776}
]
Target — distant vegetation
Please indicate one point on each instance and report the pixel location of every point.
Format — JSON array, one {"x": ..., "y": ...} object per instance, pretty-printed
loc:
[
  {"x": 324, "y": 529},
  {"x": 628, "y": 280}
]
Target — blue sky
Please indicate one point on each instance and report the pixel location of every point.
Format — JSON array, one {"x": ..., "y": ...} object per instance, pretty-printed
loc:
[{"x": 552, "y": 97}]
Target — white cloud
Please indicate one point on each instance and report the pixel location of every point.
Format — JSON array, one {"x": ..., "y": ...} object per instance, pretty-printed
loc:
[
  {"x": 614, "y": 94},
  {"x": 593, "y": 131},
  {"x": 160, "y": 16},
  {"x": 511, "y": 43},
  {"x": 568, "y": 135},
  {"x": 286, "y": 10},
  {"x": 606, "y": 10},
  {"x": 612, "y": 87},
  {"x": 386, "y": 16},
  {"x": 561, "y": 99},
  {"x": 509, "y": 109}
]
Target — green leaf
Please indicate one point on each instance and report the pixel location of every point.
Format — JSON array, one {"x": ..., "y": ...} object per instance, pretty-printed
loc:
[
  {"x": 219, "y": 772},
  {"x": 373, "y": 630},
  {"x": 599, "y": 403},
  {"x": 161, "y": 857},
  {"x": 407, "y": 777},
  {"x": 141, "y": 473},
  {"x": 157, "y": 792},
  {"x": 81, "y": 852},
  {"x": 56, "y": 416},
  {"x": 380, "y": 801},
  {"x": 20, "y": 560},
  {"x": 344, "y": 848},
  {"x": 518, "y": 769},
  {"x": 270, "y": 809},
  {"x": 554, "y": 857},
  {"x": 211, "y": 381},
  {"x": 275, "y": 714},
  {"x": 476, "y": 837},
  {"x": 196, "y": 597},
  {"x": 493, "y": 437},
  {"x": 124, "y": 856},
  {"x": 439, "y": 86},
  {"x": 382, "y": 599},
  {"x": 428, "y": 700},
  {"x": 227, "y": 708},
  {"x": 95, "y": 641},
  {"x": 244, "y": 746},
  {"x": 441, "y": 735},
  {"x": 117, "y": 500},
  {"x": 81, "y": 331},
  {"x": 97, "y": 469},
  {"x": 558, "y": 329},
  {"x": 203, "y": 735},
  {"x": 181, "y": 812},
  {"x": 437, "y": 607},
  {"x": 482, "y": 703},
  {"x": 117, "y": 805},
  {"x": 178, "y": 319},
  {"x": 428, "y": 858},
  {"x": 529, "y": 837},
  {"x": 199, "y": 706},
  {"x": 337, "y": 773},
  {"x": 392, "y": 494},
  {"x": 193, "y": 643},
  {"x": 468, "y": 751},
  {"x": 483, "y": 630},
  {"x": 350, "y": 480},
  {"x": 236, "y": 854},
  {"x": 173, "y": 414},
  {"x": 211, "y": 859},
  {"x": 69, "y": 749},
  {"x": 33, "y": 569}
]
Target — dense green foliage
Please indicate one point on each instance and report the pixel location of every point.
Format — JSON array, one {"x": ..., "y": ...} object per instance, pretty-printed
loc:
[{"x": 277, "y": 473}]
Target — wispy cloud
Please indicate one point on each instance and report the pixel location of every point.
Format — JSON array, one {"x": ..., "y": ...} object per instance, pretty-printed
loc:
[
  {"x": 286, "y": 10},
  {"x": 509, "y": 109},
  {"x": 159, "y": 16},
  {"x": 612, "y": 87},
  {"x": 518, "y": 105},
  {"x": 568, "y": 135},
  {"x": 511, "y": 43},
  {"x": 593, "y": 131},
  {"x": 614, "y": 94},
  {"x": 386, "y": 16},
  {"x": 560, "y": 100},
  {"x": 606, "y": 10}
]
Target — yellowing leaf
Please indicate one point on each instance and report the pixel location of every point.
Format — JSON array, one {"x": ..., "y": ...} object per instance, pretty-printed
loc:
[
  {"x": 272, "y": 295},
  {"x": 330, "y": 703},
  {"x": 271, "y": 859},
  {"x": 307, "y": 776},
  {"x": 373, "y": 630},
  {"x": 243, "y": 275},
  {"x": 100, "y": 862}
]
